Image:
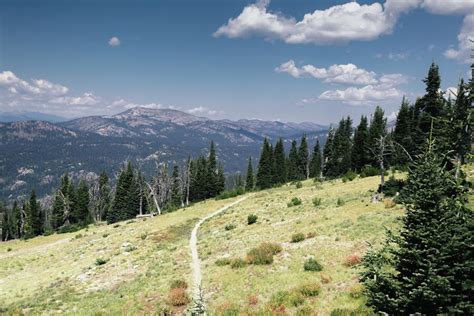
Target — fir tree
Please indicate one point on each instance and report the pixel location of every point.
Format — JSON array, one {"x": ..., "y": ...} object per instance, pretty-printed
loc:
[
  {"x": 279, "y": 158},
  {"x": 121, "y": 204},
  {"x": 81, "y": 209},
  {"x": 220, "y": 179},
  {"x": 34, "y": 216},
  {"x": 402, "y": 134},
  {"x": 265, "y": 167},
  {"x": 303, "y": 159},
  {"x": 292, "y": 164},
  {"x": 211, "y": 182},
  {"x": 328, "y": 153},
  {"x": 176, "y": 194},
  {"x": 5, "y": 223},
  {"x": 316, "y": 162},
  {"x": 249, "y": 179},
  {"x": 104, "y": 196},
  {"x": 378, "y": 127},
  {"x": 16, "y": 220},
  {"x": 360, "y": 151},
  {"x": 461, "y": 128}
]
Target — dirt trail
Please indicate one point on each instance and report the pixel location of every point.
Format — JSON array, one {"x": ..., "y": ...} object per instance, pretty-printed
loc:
[{"x": 196, "y": 262}]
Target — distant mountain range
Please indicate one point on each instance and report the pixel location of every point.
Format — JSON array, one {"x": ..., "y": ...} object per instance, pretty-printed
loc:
[
  {"x": 34, "y": 154},
  {"x": 6, "y": 117}
]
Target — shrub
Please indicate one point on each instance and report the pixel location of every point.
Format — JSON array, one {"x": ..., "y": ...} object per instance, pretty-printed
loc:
[
  {"x": 237, "y": 263},
  {"x": 369, "y": 171},
  {"x": 230, "y": 226},
  {"x": 295, "y": 298},
  {"x": 349, "y": 176},
  {"x": 297, "y": 237},
  {"x": 143, "y": 236},
  {"x": 390, "y": 203},
  {"x": 392, "y": 186},
  {"x": 252, "y": 219},
  {"x": 312, "y": 265},
  {"x": 105, "y": 235},
  {"x": 178, "y": 284},
  {"x": 9, "y": 249},
  {"x": 310, "y": 289},
  {"x": 294, "y": 202},
  {"x": 279, "y": 298},
  {"x": 340, "y": 202},
  {"x": 317, "y": 201},
  {"x": 325, "y": 279},
  {"x": 353, "y": 260},
  {"x": 222, "y": 262},
  {"x": 356, "y": 291},
  {"x": 310, "y": 235},
  {"x": 101, "y": 261},
  {"x": 69, "y": 228},
  {"x": 178, "y": 297},
  {"x": 263, "y": 254},
  {"x": 228, "y": 309},
  {"x": 253, "y": 300},
  {"x": 305, "y": 311},
  {"x": 299, "y": 185}
]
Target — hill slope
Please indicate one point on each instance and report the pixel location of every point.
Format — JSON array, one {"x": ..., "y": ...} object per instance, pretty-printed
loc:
[{"x": 60, "y": 273}]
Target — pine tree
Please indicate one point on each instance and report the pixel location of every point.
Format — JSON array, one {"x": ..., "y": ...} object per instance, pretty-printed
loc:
[
  {"x": 378, "y": 127},
  {"x": 5, "y": 223},
  {"x": 432, "y": 259},
  {"x": 360, "y": 151},
  {"x": 220, "y": 179},
  {"x": 339, "y": 161},
  {"x": 292, "y": 163},
  {"x": 34, "y": 216},
  {"x": 211, "y": 183},
  {"x": 328, "y": 154},
  {"x": 81, "y": 210},
  {"x": 402, "y": 134},
  {"x": 176, "y": 194},
  {"x": 279, "y": 158},
  {"x": 16, "y": 220},
  {"x": 121, "y": 205},
  {"x": 249, "y": 179},
  {"x": 461, "y": 128},
  {"x": 133, "y": 193},
  {"x": 104, "y": 196},
  {"x": 265, "y": 167},
  {"x": 315, "y": 166},
  {"x": 303, "y": 159}
]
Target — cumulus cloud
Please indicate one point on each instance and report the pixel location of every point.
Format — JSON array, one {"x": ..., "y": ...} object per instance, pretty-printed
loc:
[
  {"x": 367, "y": 95},
  {"x": 87, "y": 98},
  {"x": 34, "y": 88},
  {"x": 114, "y": 41},
  {"x": 463, "y": 52},
  {"x": 202, "y": 110},
  {"x": 449, "y": 7}
]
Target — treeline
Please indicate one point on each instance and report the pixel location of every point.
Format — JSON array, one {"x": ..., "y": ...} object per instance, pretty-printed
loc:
[
  {"x": 75, "y": 205},
  {"x": 370, "y": 148}
]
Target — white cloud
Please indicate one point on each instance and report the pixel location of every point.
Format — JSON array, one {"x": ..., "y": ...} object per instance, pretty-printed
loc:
[
  {"x": 114, "y": 41},
  {"x": 449, "y": 7},
  {"x": 463, "y": 51},
  {"x": 367, "y": 95},
  {"x": 340, "y": 23},
  {"x": 35, "y": 88},
  {"x": 202, "y": 110},
  {"x": 87, "y": 98}
]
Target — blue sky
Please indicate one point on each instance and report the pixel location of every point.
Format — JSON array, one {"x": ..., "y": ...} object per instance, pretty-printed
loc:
[{"x": 270, "y": 61}]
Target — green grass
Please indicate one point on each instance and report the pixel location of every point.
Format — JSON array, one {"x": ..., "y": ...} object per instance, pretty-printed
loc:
[{"x": 61, "y": 273}]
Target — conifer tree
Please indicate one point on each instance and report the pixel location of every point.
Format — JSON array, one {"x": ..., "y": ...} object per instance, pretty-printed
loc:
[
  {"x": 249, "y": 179},
  {"x": 402, "y": 134},
  {"x": 316, "y": 161},
  {"x": 265, "y": 167},
  {"x": 461, "y": 125},
  {"x": 279, "y": 158},
  {"x": 104, "y": 196},
  {"x": 211, "y": 182},
  {"x": 176, "y": 194},
  {"x": 378, "y": 127},
  {"x": 303, "y": 159},
  {"x": 292, "y": 164},
  {"x": 328, "y": 153},
  {"x": 34, "y": 216},
  {"x": 220, "y": 179},
  {"x": 16, "y": 220},
  {"x": 5, "y": 223},
  {"x": 360, "y": 151},
  {"x": 134, "y": 198},
  {"x": 339, "y": 160},
  {"x": 121, "y": 205},
  {"x": 81, "y": 210},
  {"x": 430, "y": 266}
]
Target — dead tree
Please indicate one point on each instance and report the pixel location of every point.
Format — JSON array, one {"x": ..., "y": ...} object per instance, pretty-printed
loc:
[{"x": 383, "y": 148}]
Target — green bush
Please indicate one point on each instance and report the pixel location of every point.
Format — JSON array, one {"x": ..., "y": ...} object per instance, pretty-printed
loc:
[
  {"x": 222, "y": 262},
  {"x": 299, "y": 185},
  {"x": 349, "y": 176},
  {"x": 297, "y": 237},
  {"x": 294, "y": 202},
  {"x": 312, "y": 265},
  {"x": 369, "y": 171},
  {"x": 101, "y": 261},
  {"x": 230, "y": 193},
  {"x": 263, "y": 254},
  {"x": 392, "y": 186},
  {"x": 178, "y": 284},
  {"x": 310, "y": 289},
  {"x": 252, "y": 219},
  {"x": 317, "y": 201},
  {"x": 305, "y": 311},
  {"x": 340, "y": 202},
  {"x": 237, "y": 263},
  {"x": 292, "y": 298},
  {"x": 230, "y": 226},
  {"x": 69, "y": 228}
]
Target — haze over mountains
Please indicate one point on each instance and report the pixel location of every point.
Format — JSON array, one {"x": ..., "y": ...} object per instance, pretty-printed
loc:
[{"x": 34, "y": 154}]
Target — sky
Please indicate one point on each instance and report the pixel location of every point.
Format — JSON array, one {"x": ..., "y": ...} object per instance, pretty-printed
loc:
[{"x": 288, "y": 60}]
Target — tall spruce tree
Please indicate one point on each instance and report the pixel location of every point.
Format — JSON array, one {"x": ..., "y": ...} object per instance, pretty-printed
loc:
[
  {"x": 292, "y": 164},
  {"x": 176, "y": 194},
  {"x": 461, "y": 123},
  {"x": 120, "y": 206},
  {"x": 265, "y": 167},
  {"x": 429, "y": 269},
  {"x": 316, "y": 161},
  {"x": 339, "y": 161},
  {"x": 16, "y": 220},
  {"x": 402, "y": 135},
  {"x": 250, "y": 178},
  {"x": 212, "y": 176},
  {"x": 328, "y": 154},
  {"x": 279, "y": 158},
  {"x": 81, "y": 210},
  {"x": 303, "y": 159},
  {"x": 5, "y": 223},
  {"x": 34, "y": 216},
  {"x": 104, "y": 196},
  {"x": 378, "y": 127},
  {"x": 220, "y": 179},
  {"x": 360, "y": 151}
]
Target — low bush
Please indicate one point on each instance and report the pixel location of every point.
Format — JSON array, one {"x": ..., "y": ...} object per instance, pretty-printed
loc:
[
  {"x": 309, "y": 289},
  {"x": 356, "y": 291},
  {"x": 253, "y": 300},
  {"x": 390, "y": 203},
  {"x": 392, "y": 186},
  {"x": 352, "y": 260},
  {"x": 294, "y": 202},
  {"x": 143, "y": 236},
  {"x": 222, "y": 262},
  {"x": 310, "y": 235},
  {"x": 237, "y": 263},
  {"x": 228, "y": 309},
  {"x": 349, "y": 176},
  {"x": 369, "y": 171},
  {"x": 178, "y": 297},
  {"x": 283, "y": 298},
  {"x": 101, "y": 261},
  {"x": 317, "y": 201},
  {"x": 297, "y": 237},
  {"x": 312, "y": 265},
  {"x": 69, "y": 228},
  {"x": 178, "y": 284},
  {"x": 340, "y": 202},
  {"x": 230, "y": 194},
  {"x": 263, "y": 254},
  {"x": 325, "y": 279},
  {"x": 299, "y": 185},
  {"x": 305, "y": 311},
  {"x": 105, "y": 235},
  {"x": 252, "y": 219},
  {"x": 230, "y": 226}
]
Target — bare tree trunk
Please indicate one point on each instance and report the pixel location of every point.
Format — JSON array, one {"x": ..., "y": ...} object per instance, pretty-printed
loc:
[{"x": 155, "y": 200}]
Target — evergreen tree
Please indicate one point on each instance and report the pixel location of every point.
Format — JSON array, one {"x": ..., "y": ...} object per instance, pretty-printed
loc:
[
  {"x": 16, "y": 220},
  {"x": 104, "y": 196},
  {"x": 63, "y": 203},
  {"x": 339, "y": 161},
  {"x": 34, "y": 216},
  {"x": 303, "y": 159},
  {"x": 279, "y": 158},
  {"x": 121, "y": 205},
  {"x": 432, "y": 261},
  {"x": 176, "y": 194},
  {"x": 134, "y": 198},
  {"x": 315, "y": 166},
  {"x": 220, "y": 179},
  {"x": 81, "y": 211},
  {"x": 360, "y": 151},
  {"x": 265, "y": 167},
  {"x": 328, "y": 153},
  {"x": 378, "y": 127},
  {"x": 293, "y": 162},
  {"x": 5, "y": 223},
  {"x": 212, "y": 177},
  {"x": 198, "y": 180},
  {"x": 402, "y": 134},
  {"x": 461, "y": 127},
  {"x": 249, "y": 180}
]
